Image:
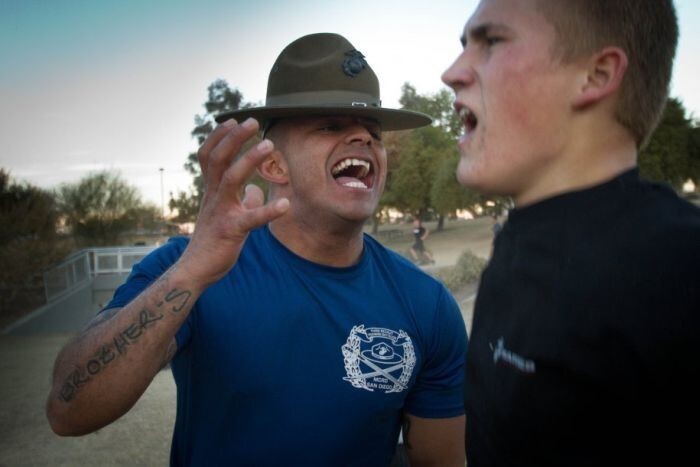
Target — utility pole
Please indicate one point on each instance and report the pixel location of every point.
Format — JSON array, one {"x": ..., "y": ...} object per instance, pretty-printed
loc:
[{"x": 162, "y": 199}]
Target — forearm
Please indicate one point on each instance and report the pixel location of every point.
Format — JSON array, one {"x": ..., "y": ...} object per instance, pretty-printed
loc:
[
  {"x": 101, "y": 374},
  {"x": 434, "y": 442}
]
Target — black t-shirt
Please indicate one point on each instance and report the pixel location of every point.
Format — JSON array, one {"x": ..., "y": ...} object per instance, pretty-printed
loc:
[{"x": 585, "y": 345}]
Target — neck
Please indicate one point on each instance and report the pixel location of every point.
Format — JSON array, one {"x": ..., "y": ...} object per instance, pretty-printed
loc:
[
  {"x": 322, "y": 244},
  {"x": 586, "y": 162}
]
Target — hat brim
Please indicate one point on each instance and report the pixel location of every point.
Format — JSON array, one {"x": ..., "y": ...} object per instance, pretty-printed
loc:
[{"x": 389, "y": 119}]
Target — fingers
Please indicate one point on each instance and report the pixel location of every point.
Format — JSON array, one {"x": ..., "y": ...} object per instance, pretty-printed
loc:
[
  {"x": 254, "y": 197},
  {"x": 254, "y": 218},
  {"x": 237, "y": 174},
  {"x": 211, "y": 142},
  {"x": 221, "y": 148}
]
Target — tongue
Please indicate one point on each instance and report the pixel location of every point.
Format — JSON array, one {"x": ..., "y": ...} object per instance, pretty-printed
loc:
[{"x": 346, "y": 180}]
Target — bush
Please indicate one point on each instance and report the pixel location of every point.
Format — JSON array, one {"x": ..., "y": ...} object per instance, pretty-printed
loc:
[{"x": 468, "y": 269}]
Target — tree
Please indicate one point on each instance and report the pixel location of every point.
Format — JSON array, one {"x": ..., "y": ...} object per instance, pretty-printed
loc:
[
  {"x": 447, "y": 195},
  {"x": 420, "y": 155},
  {"x": 438, "y": 106},
  {"x": 29, "y": 243},
  {"x": 671, "y": 155},
  {"x": 423, "y": 178},
  {"x": 99, "y": 208},
  {"x": 694, "y": 155},
  {"x": 220, "y": 98}
]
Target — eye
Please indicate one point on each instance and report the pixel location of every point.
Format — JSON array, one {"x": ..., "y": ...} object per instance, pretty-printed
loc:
[
  {"x": 493, "y": 40},
  {"x": 376, "y": 135},
  {"x": 329, "y": 128}
]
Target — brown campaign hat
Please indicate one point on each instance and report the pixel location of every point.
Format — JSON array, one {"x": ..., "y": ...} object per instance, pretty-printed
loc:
[{"x": 323, "y": 74}]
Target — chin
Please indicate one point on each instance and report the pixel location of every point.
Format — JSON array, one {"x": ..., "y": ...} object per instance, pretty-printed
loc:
[{"x": 467, "y": 176}]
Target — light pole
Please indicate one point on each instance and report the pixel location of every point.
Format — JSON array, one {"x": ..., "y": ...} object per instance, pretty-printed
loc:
[{"x": 162, "y": 199}]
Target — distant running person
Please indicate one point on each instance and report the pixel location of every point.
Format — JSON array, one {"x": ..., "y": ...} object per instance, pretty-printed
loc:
[{"x": 419, "y": 252}]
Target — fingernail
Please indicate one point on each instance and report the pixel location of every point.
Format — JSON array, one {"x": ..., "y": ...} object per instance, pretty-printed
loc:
[
  {"x": 264, "y": 145},
  {"x": 282, "y": 204},
  {"x": 249, "y": 124},
  {"x": 231, "y": 122}
]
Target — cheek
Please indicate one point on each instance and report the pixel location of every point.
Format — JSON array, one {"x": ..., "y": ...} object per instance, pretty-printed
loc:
[{"x": 520, "y": 90}]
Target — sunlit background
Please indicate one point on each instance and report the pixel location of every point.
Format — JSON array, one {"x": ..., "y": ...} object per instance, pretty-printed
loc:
[{"x": 88, "y": 85}]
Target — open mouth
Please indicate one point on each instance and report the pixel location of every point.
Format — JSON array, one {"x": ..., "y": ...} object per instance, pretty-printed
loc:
[
  {"x": 353, "y": 173},
  {"x": 469, "y": 119}
]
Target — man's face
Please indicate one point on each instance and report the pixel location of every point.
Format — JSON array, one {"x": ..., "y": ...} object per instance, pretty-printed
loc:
[
  {"x": 336, "y": 165},
  {"x": 513, "y": 98}
]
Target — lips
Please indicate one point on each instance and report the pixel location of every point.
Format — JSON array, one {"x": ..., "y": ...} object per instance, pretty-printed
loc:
[{"x": 353, "y": 172}]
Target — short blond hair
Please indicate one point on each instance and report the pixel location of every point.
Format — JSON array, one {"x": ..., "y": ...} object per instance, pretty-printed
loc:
[{"x": 647, "y": 30}]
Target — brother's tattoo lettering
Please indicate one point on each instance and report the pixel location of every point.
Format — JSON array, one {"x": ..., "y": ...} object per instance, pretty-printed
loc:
[
  {"x": 107, "y": 353},
  {"x": 177, "y": 299},
  {"x": 181, "y": 297},
  {"x": 120, "y": 344}
]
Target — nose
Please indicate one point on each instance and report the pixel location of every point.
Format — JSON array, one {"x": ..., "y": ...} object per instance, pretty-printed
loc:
[
  {"x": 359, "y": 134},
  {"x": 460, "y": 74}
]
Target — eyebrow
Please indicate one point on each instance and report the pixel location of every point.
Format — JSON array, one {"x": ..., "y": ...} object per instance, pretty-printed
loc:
[{"x": 480, "y": 32}]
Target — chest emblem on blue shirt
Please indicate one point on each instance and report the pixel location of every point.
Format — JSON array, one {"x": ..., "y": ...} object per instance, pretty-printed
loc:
[{"x": 378, "y": 358}]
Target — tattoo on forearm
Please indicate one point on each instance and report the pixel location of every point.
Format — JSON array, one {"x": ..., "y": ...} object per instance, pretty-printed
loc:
[
  {"x": 119, "y": 344},
  {"x": 181, "y": 296}
]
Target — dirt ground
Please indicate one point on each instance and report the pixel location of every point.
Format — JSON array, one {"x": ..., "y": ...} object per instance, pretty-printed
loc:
[{"x": 141, "y": 437}]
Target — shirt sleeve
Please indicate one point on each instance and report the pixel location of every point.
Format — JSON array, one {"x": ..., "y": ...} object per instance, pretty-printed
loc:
[
  {"x": 144, "y": 273},
  {"x": 438, "y": 392}
]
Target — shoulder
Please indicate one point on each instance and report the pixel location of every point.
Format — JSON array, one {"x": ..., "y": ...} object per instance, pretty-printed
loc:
[
  {"x": 159, "y": 260},
  {"x": 397, "y": 263},
  {"x": 660, "y": 247},
  {"x": 166, "y": 254},
  {"x": 419, "y": 286},
  {"x": 666, "y": 221}
]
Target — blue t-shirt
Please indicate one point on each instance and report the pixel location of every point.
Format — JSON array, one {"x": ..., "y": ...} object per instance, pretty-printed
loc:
[{"x": 288, "y": 362}]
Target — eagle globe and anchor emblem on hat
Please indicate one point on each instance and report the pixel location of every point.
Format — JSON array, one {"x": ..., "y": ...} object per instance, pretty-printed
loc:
[
  {"x": 378, "y": 358},
  {"x": 323, "y": 74}
]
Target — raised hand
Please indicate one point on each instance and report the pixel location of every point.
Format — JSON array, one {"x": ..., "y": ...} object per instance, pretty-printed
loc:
[{"x": 225, "y": 219}]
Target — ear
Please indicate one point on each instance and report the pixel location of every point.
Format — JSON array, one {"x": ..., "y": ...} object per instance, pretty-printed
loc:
[
  {"x": 274, "y": 169},
  {"x": 603, "y": 76}
]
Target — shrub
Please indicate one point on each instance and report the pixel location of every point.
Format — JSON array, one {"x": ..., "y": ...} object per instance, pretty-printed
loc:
[{"x": 468, "y": 269}]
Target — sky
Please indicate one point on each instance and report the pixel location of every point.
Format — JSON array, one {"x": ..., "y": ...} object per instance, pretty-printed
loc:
[{"x": 89, "y": 85}]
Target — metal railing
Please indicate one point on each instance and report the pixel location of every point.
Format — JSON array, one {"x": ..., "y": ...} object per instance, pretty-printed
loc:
[{"x": 80, "y": 267}]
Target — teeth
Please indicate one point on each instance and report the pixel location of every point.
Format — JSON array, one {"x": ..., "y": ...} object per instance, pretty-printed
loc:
[
  {"x": 357, "y": 184},
  {"x": 464, "y": 113},
  {"x": 468, "y": 118},
  {"x": 345, "y": 163}
]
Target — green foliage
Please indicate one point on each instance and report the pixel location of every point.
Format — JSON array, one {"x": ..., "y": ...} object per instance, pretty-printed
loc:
[
  {"x": 673, "y": 153},
  {"x": 423, "y": 162},
  {"x": 28, "y": 244},
  {"x": 468, "y": 269},
  {"x": 438, "y": 106},
  {"x": 99, "y": 208},
  {"x": 447, "y": 195},
  {"x": 220, "y": 98},
  {"x": 420, "y": 154},
  {"x": 694, "y": 155}
]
